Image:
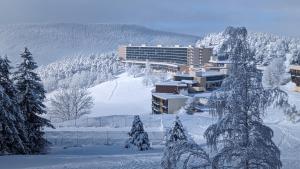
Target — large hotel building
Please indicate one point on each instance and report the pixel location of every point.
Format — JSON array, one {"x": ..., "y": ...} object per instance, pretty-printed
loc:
[{"x": 177, "y": 55}]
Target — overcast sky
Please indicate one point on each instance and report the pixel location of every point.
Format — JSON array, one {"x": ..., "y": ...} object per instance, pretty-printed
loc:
[{"x": 196, "y": 17}]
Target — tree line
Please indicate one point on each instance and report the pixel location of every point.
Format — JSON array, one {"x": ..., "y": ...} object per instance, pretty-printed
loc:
[{"x": 21, "y": 108}]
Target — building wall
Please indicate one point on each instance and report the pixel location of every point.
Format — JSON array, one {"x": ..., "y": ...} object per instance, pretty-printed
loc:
[
  {"x": 191, "y": 56},
  {"x": 168, "y": 89},
  {"x": 205, "y": 56},
  {"x": 175, "y": 104}
]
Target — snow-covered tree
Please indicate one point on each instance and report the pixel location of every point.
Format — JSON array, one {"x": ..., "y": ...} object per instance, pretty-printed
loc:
[
  {"x": 182, "y": 152},
  {"x": 31, "y": 95},
  {"x": 274, "y": 73},
  {"x": 239, "y": 136},
  {"x": 174, "y": 135},
  {"x": 68, "y": 104},
  {"x": 137, "y": 136},
  {"x": 177, "y": 132},
  {"x": 13, "y": 137}
]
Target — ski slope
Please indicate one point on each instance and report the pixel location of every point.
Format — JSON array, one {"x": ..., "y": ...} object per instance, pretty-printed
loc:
[{"x": 125, "y": 95}]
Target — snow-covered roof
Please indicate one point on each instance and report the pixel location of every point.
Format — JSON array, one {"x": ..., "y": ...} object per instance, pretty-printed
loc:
[
  {"x": 220, "y": 61},
  {"x": 210, "y": 73},
  {"x": 183, "y": 75},
  {"x": 297, "y": 67},
  {"x": 172, "y": 83},
  {"x": 189, "y": 81},
  {"x": 203, "y": 95},
  {"x": 165, "y": 96}
]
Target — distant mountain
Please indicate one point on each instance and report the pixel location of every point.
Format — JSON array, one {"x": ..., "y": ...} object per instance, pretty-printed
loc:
[{"x": 51, "y": 42}]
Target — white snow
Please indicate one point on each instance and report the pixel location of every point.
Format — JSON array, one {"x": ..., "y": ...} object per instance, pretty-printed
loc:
[
  {"x": 125, "y": 95},
  {"x": 98, "y": 139}
]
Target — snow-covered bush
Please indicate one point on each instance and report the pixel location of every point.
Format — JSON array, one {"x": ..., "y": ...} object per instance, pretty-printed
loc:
[
  {"x": 137, "y": 136},
  {"x": 69, "y": 104}
]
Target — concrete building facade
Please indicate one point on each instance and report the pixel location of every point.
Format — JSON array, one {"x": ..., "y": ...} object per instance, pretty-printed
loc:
[{"x": 190, "y": 56}]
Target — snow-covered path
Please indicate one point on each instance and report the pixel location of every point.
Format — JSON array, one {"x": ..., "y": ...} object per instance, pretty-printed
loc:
[{"x": 96, "y": 157}]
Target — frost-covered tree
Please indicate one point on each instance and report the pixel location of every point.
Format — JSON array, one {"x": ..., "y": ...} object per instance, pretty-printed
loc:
[
  {"x": 137, "y": 136},
  {"x": 177, "y": 132},
  {"x": 13, "y": 137},
  {"x": 31, "y": 95},
  {"x": 274, "y": 73},
  {"x": 79, "y": 71},
  {"x": 174, "y": 135},
  {"x": 68, "y": 104},
  {"x": 181, "y": 151},
  {"x": 239, "y": 136}
]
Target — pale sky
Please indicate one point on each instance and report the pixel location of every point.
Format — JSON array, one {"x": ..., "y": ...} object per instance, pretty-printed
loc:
[{"x": 197, "y": 17}]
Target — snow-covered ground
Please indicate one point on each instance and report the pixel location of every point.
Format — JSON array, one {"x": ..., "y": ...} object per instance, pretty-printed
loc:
[
  {"x": 125, "y": 95},
  {"x": 97, "y": 141}
]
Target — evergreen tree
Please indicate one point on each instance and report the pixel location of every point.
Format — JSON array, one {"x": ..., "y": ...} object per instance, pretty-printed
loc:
[
  {"x": 137, "y": 136},
  {"x": 239, "y": 135},
  {"x": 31, "y": 95},
  {"x": 13, "y": 135},
  {"x": 177, "y": 133}
]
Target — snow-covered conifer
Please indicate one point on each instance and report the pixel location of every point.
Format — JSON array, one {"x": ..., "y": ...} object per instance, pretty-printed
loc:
[
  {"x": 137, "y": 136},
  {"x": 31, "y": 95},
  {"x": 177, "y": 132},
  {"x": 241, "y": 138},
  {"x": 13, "y": 137}
]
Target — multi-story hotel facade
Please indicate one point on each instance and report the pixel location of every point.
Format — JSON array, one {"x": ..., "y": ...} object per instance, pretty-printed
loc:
[{"x": 177, "y": 55}]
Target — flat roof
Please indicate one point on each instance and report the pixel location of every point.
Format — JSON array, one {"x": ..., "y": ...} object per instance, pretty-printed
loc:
[
  {"x": 203, "y": 95},
  {"x": 165, "y": 96},
  {"x": 220, "y": 61},
  {"x": 210, "y": 73},
  {"x": 297, "y": 67},
  {"x": 183, "y": 75}
]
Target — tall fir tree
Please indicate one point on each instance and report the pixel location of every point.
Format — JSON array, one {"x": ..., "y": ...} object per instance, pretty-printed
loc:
[
  {"x": 137, "y": 136},
  {"x": 31, "y": 95},
  {"x": 13, "y": 136},
  {"x": 241, "y": 138}
]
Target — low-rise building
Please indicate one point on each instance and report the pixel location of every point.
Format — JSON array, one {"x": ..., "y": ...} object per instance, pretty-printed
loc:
[
  {"x": 295, "y": 75},
  {"x": 167, "y": 103}
]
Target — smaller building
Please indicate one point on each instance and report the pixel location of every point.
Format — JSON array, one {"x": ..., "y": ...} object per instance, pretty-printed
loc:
[
  {"x": 211, "y": 79},
  {"x": 170, "y": 87},
  {"x": 167, "y": 103},
  {"x": 295, "y": 75}
]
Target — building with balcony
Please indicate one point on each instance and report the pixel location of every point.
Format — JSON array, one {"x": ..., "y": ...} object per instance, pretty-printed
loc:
[
  {"x": 181, "y": 56},
  {"x": 167, "y": 103}
]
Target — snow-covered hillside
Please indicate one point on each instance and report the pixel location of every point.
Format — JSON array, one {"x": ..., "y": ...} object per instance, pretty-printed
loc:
[
  {"x": 49, "y": 42},
  {"x": 126, "y": 95}
]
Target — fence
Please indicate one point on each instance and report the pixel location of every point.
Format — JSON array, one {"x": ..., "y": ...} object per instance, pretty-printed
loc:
[{"x": 73, "y": 138}]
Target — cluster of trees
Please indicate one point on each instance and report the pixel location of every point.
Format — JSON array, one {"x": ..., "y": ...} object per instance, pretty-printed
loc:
[
  {"x": 79, "y": 72},
  {"x": 238, "y": 139},
  {"x": 265, "y": 46},
  {"x": 21, "y": 107}
]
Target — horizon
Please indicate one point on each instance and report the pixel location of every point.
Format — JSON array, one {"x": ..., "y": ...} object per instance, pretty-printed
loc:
[{"x": 193, "y": 18}]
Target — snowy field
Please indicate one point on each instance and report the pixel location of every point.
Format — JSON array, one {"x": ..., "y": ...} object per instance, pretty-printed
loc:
[{"x": 98, "y": 140}]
